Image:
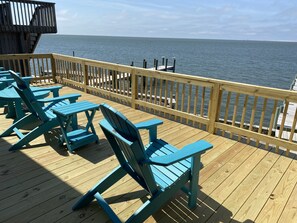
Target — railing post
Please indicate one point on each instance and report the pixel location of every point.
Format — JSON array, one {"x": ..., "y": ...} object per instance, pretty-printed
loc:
[
  {"x": 214, "y": 105},
  {"x": 134, "y": 88},
  {"x": 54, "y": 71},
  {"x": 86, "y": 79}
]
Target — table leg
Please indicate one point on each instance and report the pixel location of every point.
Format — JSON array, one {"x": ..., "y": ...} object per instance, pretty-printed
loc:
[
  {"x": 11, "y": 110},
  {"x": 18, "y": 110}
]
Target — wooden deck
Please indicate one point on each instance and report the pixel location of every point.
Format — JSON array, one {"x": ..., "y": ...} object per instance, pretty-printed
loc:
[{"x": 239, "y": 183}]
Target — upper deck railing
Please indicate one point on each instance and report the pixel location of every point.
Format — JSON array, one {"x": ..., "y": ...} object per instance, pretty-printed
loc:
[
  {"x": 239, "y": 111},
  {"x": 27, "y": 16}
]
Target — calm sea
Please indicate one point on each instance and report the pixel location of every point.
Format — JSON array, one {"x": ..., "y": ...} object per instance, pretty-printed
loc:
[{"x": 272, "y": 64}]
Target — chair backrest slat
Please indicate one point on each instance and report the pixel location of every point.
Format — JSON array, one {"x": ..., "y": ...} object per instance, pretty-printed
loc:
[
  {"x": 28, "y": 97},
  {"x": 126, "y": 142}
]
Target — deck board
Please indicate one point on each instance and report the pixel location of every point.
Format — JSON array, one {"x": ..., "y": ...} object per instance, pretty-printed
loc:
[{"x": 238, "y": 182}]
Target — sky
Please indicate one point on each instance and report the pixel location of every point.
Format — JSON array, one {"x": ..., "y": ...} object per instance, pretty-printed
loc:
[{"x": 274, "y": 20}]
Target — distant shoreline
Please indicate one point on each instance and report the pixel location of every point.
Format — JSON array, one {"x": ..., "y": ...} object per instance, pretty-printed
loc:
[{"x": 130, "y": 37}]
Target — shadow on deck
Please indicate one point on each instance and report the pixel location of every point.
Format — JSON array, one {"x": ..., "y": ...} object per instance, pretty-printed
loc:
[{"x": 238, "y": 183}]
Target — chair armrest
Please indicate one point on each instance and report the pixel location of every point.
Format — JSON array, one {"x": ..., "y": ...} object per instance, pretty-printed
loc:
[
  {"x": 150, "y": 125},
  {"x": 6, "y": 75},
  {"x": 8, "y": 72},
  {"x": 71, "y": 97},
  {"x": 53, "y": 89},
  {"x": 186, "y": 152}
]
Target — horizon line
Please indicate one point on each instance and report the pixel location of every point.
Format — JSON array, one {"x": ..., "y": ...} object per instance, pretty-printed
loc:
[{"x": 185, "y": 38}]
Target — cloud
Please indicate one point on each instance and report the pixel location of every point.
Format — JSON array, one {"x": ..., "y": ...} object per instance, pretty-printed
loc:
[
  {"x": 242, "y": 19},
  {"x": 65, "y": 16}
]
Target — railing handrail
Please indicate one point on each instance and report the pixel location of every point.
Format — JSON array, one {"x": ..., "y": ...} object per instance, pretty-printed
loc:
[
  {"x": 277, "y": 93},
  {"x": 31, "y": 2}
]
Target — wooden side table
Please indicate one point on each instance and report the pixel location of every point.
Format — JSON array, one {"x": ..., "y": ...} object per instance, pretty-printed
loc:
[{"x": 79, "y": 137}]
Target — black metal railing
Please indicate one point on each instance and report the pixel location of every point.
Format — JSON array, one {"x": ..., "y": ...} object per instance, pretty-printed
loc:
[{"x": 27, "y": 16}]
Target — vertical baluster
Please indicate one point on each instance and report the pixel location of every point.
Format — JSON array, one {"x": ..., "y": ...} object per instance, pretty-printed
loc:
[
  {"x": 155, "y": 92},
  {"x": 281, "y": 129},
  {"x": 118, "y": 82},
  {"x": 226, "y": 111},
  {"x": 218, "y": 112},
  {"x": 27, "y": 15},
  {"x": 246, "y": 98},
  {"x": 110, "y": 79},
  {"x": 100, "y": 78},
  {"x": 262, "y": 119},
  {"x": 202, "y": 102},
  {"x": 271, "y": 121},
  {"x": 202, "y": 105},
  {"x": 171, "y": 94},
  {"x": 81, "y": 72},
  {"x": 151, "y": 89},
  {"x": 10, "y": 66},
  {"x": 121, "y": 82},
  {"x": 183, "y": 98},
  {"x": 209, "y": 103},
  {"x": 23, "y": 14},
  {"x": 115, "y": 79},
  {"x": 14, "y": 65},
  {"x": 235, "y": 112},
  {"x": 176, "y": 98},
  {"x": 196, "y": 100},
  {"x": 32, "y": 11},
  {"x": 39, "y": 68},
  {"x": 48, "y": 69},
  {"x": 128, "y": 83},
  {"x": 189, "y": 101},
  {"x": 91, "y": 76},
  {"x": 103, "y": 78},
  {"x": 141, "y": 87},
  {"x": 18, "y": 14},
  {"x": 13, "y": 8},
  {"x": 19, "y": 67},
  {"x": 25, "y": 67},
  {"x": 42, "y": 72},
  {"x": 166, "y": 93},
  {"x": 146, "y": 88},
  {"x": 97, "y": 77},
  {"x": 46, "y": 15},
  {"x": 182, "y": 106},
  {"x": 253, "y": 116},
  {"x": 34, "y": 67},
  {"x": 161, "y": 92},
  {"x": 292, "y": 131}
]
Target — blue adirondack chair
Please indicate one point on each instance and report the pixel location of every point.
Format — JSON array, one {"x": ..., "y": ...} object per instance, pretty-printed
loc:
[
  {"x": 158, "y": 167},
  {"x": 43, "y": 117}
]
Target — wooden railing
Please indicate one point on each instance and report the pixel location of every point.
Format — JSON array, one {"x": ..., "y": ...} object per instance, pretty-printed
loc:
[
  {"x": 38, "y": 66},
  {"x": 240, "y": 111},
  {"x": 27, "y": 16}
]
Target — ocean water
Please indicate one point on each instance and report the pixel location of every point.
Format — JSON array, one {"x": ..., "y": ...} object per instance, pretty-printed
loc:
[{"x": 272, "y": 64}]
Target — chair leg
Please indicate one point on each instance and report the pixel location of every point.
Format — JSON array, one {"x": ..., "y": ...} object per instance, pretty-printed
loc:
[
  {"x": 102, "y": 186},
  {"x": 33, "y": 134},
  {"x": 20, "y": 123},
  {"x": 193, "y": 189},
  {"x": 155, "y": 202}
]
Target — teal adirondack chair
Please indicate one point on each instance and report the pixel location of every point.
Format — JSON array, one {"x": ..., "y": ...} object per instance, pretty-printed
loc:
[
  {"x": 158, "y": 167},
  {"x": 43, "y": 117}
]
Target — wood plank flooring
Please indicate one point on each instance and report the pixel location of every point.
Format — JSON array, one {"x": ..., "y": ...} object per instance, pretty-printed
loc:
[{"x": 238, "y": 182}]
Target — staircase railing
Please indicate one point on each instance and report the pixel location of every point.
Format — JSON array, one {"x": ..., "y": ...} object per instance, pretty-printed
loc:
[{"x": 27, "y": 16}]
